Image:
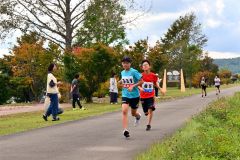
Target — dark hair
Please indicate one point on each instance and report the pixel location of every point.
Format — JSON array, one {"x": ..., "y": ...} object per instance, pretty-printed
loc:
[
  {"x": 113, "y": 74},
  {"x": 126, "y": 59},
  {"x": 50, "y": 67},
  {"x": 76, "y": 76},
  {"x": 145, "y": 60}
]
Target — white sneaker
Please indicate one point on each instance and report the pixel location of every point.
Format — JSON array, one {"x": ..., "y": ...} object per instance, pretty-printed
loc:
[{"x": 137, "y": 120}]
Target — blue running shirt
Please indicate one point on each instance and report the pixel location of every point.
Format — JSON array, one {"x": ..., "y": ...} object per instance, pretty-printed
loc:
[{"x": 129, "y": 78}]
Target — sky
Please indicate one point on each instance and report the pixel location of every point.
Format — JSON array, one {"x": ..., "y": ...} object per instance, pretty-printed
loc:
[{"x": 220, "y": 21}]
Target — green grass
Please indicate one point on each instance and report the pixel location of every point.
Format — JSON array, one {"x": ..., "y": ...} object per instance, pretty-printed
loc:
[
  {"x": 212, "y": 135},
  {"x": 27, "y": 121}
]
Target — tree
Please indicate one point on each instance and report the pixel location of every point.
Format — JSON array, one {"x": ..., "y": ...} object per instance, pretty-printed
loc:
[
  {"x": 57, "y": 20},
  {"x": 183, "y": 33},
  {"x": 192, "y": 59},
  {"x": 103, "y": 23},
  {"x": 208, "y": 65},
  {"x": 137, "y": 52},
  {"x": 4, "y": 88},
  {"x": 95, "y": 66},
  {"x": 29, "y": 64},
  {"x": 225, "y": 76},
  {"x": 5, "y": 65},
  {"x": 157, "y": 58},
  {"x": 209, "y": 76}
]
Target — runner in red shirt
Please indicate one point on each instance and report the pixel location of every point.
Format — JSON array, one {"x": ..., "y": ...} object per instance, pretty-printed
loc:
[{"x": 147, "y": 91}]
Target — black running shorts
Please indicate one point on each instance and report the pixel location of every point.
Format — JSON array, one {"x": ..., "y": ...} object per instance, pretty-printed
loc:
[
  {"x": 147, "y": 103},
  {"x": 132, "y": 102}
]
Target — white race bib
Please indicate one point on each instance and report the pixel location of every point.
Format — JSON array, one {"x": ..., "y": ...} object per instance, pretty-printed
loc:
[
  {"x": 147, "y": 86},
  {"x": 127, "y": 81}
]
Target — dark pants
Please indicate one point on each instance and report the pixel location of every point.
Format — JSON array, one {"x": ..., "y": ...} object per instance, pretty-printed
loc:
[
  {"x": 204, "y": 89},
  {"x": 53, "y": 107},
  {"x": 156, "y": 91},
  {"x": 113, "y": 97},
  {"x": 76, "y": 98}
]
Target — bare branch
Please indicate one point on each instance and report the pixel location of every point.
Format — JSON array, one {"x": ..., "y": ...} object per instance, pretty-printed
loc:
[
  {"x": 50, "y": 38},
  {"x": 77, "y": 5},
  {"x": 49, "y": 9},
  {"x": 59, "y": 3},
  {"x": 77, "y": 22},
  {"x": 44, "y": 25},
  {"x": 82, "y": 13},
  {"x": 40, "y": 28}
]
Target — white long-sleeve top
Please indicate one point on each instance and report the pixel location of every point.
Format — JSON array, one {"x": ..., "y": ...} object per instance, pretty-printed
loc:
[
  {"x": 53, "y": 90},
  {"x": 113, "y": 85},
  {"x": 217, "y": 81}
]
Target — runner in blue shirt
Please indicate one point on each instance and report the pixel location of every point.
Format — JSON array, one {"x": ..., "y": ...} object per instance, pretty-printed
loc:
[{"x": 130, "y": 80}]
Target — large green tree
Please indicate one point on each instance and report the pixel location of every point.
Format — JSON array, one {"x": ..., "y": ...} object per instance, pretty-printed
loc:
[
  {"x": 103, "y": 23},
  {"x": 94, "y": 66},
  {"x": 192, "y": 58},
  {"x": 183, "y": 33},
  {"x": 183, "y": 44}
]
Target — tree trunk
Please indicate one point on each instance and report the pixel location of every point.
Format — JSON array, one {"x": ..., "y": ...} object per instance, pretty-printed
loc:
[{"x": 69, "y": 29}]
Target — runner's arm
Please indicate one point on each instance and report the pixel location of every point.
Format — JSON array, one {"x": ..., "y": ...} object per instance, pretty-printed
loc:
[
  {"x": 140, "y": 82},
  {"x": 161, "y": 90}
]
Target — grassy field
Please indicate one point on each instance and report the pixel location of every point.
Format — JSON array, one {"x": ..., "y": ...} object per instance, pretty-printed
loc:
[
  {"x": 27, "y": 121},
  {"x": 213, "y": 135}
]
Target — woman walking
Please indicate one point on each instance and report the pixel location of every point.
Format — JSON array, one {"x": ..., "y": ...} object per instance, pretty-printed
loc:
[{"x": 52, "y": 93}]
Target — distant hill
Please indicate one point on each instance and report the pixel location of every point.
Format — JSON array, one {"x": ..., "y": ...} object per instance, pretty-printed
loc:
[{"x": 232, "y": 64}]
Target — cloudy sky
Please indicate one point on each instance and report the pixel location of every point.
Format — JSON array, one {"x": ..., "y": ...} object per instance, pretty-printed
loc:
[{"x": 220, "y": 21}]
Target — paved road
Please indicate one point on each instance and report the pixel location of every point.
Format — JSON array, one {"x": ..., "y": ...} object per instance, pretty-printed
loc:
[{"x": 100, "y": 138}]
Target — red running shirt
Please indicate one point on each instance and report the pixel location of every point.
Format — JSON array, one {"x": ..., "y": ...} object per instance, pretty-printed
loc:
[{"x": 149, "y": 80}]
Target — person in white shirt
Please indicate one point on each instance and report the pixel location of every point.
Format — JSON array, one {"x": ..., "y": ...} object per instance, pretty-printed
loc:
[
  {"x": 113, "y": 89},
  {"x": 52, "y": 93},
  {"x": 217, "y": 84}
]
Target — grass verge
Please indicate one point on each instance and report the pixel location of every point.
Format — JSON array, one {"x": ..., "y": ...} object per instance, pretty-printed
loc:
[
  {"x": 26, "y": 121},
  {"x": 214, "y": 134}
]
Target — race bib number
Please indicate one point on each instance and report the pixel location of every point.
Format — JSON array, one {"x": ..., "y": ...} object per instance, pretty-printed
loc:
[
  {"x": 147, "y": 87},
  {"x": 127, "y": 81}
]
